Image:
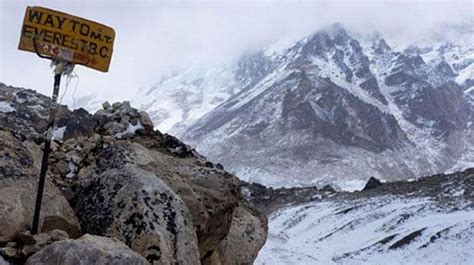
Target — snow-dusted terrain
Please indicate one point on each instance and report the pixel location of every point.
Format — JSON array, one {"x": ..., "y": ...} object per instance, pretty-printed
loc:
[
  {"x": 425, "y": 222},
  {"x": 184, "y": 97}
]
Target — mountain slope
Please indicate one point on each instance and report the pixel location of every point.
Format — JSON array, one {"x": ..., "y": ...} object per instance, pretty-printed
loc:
[{"x": 338, "y": 108}]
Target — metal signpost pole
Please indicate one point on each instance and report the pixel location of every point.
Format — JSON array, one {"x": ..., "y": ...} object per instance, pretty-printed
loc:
[{"x": 47, "y": 145}]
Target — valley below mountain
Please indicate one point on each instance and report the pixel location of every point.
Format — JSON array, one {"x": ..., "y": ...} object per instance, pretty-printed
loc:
[{"x": 427, "y": 221}]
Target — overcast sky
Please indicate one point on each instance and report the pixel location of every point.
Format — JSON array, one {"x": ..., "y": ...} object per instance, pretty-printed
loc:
[{"x": 155, "y": 37}]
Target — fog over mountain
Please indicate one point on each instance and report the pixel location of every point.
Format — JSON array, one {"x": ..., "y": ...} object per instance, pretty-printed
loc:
[{"x": 156, "y": 38}]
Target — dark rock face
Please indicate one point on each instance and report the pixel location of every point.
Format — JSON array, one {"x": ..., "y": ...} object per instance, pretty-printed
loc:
[
  {"x": 372, "y": 184},
  {"x": 427, "y": 95},
  {"x": 79, "y": 125}
]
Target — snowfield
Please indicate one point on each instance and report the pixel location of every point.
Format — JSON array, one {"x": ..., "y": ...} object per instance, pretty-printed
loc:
[
  {"x": 385, "y": 230},
  {"x": 425, "y": 221}
]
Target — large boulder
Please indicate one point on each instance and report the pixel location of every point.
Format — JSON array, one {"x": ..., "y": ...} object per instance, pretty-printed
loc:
[
  {"x": 17, "y": 203},
  {"x": 210, "y": 193},
  {"x": 246, "y": 237},
  {"x": 372, "y": 183},
  {"x": 18, "y": 157},
  {"x": 138, "y": 208},
  {"x": 19, "y": 168},
  {"x": 87, "y": 250}
]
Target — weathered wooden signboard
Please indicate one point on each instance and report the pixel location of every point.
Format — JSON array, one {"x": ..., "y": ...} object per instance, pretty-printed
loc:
[{"x": 66, "y": 37}]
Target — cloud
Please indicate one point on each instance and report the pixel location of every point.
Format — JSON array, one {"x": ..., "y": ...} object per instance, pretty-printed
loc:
[{"x": 156, "y": 37}]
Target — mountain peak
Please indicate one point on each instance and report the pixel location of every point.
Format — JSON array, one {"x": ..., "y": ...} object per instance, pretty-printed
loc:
[{"x": 335, "y": 29}]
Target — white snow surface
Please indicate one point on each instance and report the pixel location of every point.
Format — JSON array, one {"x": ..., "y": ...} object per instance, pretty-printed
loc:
[
  {"x": 324, "y": 233},
  {"x": 5, "y": 107},
  {"x": 58, "y": 133},
  {"x": 131, "y": 129},
  {"x": 187, "y": 96}
]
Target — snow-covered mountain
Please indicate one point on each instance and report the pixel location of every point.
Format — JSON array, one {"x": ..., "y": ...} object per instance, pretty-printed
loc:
[
  {"x": 429, "y": 221},
  {"x": 335, "y": 107}
]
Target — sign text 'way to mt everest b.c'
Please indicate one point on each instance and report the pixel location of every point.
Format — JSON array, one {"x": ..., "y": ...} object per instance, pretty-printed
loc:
[{"x": 66, "y": 37}]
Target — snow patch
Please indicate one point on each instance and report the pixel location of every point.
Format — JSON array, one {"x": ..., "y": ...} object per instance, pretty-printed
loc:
[
  {"x": 5, "y": 107},
  {"x": 131, "y": 129},
  {"x": 58, "y": 133}
]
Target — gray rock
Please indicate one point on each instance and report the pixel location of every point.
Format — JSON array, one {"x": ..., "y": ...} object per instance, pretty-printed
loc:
[
  {"x": 62, "y": 167},
  {"x": 112, "y": 128},
  {"x": 9, "y": 252},
  {"x": 210, "y": 194},
  {"x": 87, "y": 250},
  {"x": 246, "y": 237},
  {"x": 138, "y": 208},
  {"x": 134, "y": 121},
  {"x": 116, "y": 106},
  {"x": 17, "y": 200},
  {"x": 106, "y": 105},
  {"x": 145, "y": 120},
  {"x": 18, "y": 158},
  {"x": 372, "y": 183},
  {"x": 125, "y": 119},
  {"x": 39, "y": 241},
  {"x": 18, "y": 185}
]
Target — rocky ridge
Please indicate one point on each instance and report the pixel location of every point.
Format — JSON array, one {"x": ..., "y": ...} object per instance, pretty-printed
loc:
[{"x": 112, "y": 176}]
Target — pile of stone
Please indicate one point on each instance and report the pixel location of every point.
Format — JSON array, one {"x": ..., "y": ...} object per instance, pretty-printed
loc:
[
  {"x": 121, "y": 120},
  {"x": 116, "y": 177}
]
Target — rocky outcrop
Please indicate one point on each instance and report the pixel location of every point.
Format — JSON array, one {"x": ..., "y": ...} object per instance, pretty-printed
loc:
[
  {"x": 210, "y": 194},
  {"x": 372, "y": 183},
  {"x": 17, "y": 200},
  {"x": 88, "y": 249},
  {"x": 24, "y": 244},
  {"x": 119, "y": 178},
  {"x": 18, "y": 172},
  {"x": 138, "y": 208},
  {"x": 267, "y": 199},
  {"x": 246, "y": 237}
]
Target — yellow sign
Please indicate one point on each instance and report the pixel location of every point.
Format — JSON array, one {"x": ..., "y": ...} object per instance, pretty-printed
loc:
[{"x": 66, "y": 37}]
